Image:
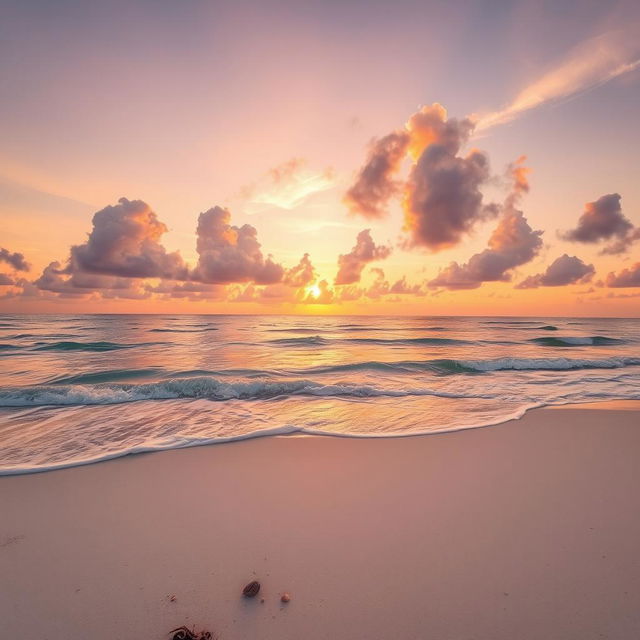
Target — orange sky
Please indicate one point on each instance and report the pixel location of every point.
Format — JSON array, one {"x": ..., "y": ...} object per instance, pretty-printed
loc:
[{"x": 245, "y": 138}]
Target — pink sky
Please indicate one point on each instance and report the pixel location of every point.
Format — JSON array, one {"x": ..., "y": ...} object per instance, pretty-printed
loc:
[{"x": 237, "y": 154}]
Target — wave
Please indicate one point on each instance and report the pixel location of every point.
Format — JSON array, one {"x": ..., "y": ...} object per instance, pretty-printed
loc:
[
  {"x": 111, "y": 375},
  {"x": 408, "y": 341},
  {"x": 299, "y": 330},
  {"x": 300, "y": 342},
  {"x": 90, "y": 346},
  {"x": 199, "y": 388},
  {"x": 320, "y": 341},
  {"x": 9, "y": 347},
  {"x": 539, "y": 364},
  {"x": 183, "y": 330},
  {"x": 578, "y": 341},
  {"x": 180, "y": 441},
  {"x": 64, "y": 392},
  {"x": 511, "y": 322}
]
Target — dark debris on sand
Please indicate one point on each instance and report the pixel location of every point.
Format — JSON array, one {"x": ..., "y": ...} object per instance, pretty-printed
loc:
[{"x": 184, "y": 633}]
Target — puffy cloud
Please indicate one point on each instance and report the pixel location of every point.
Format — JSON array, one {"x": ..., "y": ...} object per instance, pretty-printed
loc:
[
  {"x": 512, "y": 244},
  {"x": 562, "y": 271},
  {"x": 14, "y": 260},
  {"x": 194, "y": 291},
  {"x": 231, "y": 254},
  {"x": 348, "y": 293},
  {"x": 626, "y": 278},
  {"x": 402, "y": 287},
  {"x": 300, "y": 275},
  {"x": 57, "y": 279},
  {"x": 603, "y": 220},
  {"x": 375, "y": 185},
  {"x": 125, "y": 242},
  {"x": 379, "y": 287},
  {"x": 621, "y": 245},
  {"x": 443, "y": 200},
  {"x": 365, "y": 250},
  {"x": 6, "y": 280},
  {"x": 430, "y": 125}
]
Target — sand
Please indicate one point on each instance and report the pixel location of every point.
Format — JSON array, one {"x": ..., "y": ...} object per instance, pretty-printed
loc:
[{"x": 527, "y": 530}]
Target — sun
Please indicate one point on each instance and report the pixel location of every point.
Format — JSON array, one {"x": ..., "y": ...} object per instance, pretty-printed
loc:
[{"x": 314, "y": 291}]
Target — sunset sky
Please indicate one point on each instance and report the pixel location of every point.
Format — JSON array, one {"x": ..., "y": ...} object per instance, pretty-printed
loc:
[{"x": 457, "y": 158}]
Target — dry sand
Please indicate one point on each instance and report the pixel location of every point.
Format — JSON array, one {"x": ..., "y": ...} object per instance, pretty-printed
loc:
[{"x": 525, "y": 531}]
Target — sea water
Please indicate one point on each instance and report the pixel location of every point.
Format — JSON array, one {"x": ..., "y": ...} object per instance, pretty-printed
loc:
[{"x": 79, "y": 389}]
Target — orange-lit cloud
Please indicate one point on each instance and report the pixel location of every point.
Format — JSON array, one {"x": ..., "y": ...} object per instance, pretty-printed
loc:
[
  {"x": 562, "y": 271},
  {"x": 231, "y": 254},
  {"x": 513, "y": 243},
  {"x": 15, "y": 260},
  {"x": 603, "y": 220},
  {"x": 125, "y": 241},
  {"x": 626, "y": 278},
  {"x": 365, "y": 251},
  {"x": 300, "y": 275}
]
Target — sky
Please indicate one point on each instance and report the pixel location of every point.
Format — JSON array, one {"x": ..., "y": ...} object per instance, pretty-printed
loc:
[{"x": 436, "y": 158}]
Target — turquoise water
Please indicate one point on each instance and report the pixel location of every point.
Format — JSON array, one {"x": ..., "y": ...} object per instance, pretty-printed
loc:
[{"x": 78, "y": 389}]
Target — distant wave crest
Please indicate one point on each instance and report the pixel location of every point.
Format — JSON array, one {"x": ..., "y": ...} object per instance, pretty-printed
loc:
[{"x": 576, "y": 341}]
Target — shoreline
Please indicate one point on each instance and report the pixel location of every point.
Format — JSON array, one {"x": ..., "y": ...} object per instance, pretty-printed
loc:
[
  {"x": 279, "y": 432},
  {"x": 526, "y": 530}
]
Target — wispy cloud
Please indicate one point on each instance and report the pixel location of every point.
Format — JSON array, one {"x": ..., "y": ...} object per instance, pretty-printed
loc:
[
  {"x": 591, "y": 64},
  {"x": 288, "y": 185}
]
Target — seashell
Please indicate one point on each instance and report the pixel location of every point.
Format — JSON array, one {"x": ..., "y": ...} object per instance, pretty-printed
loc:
[
  {"x": 285, "y": 597},
  {"x": 251, "y": 590}
]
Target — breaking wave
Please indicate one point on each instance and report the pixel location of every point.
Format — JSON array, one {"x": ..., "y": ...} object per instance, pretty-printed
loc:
[{"x": 204, "y": 387}]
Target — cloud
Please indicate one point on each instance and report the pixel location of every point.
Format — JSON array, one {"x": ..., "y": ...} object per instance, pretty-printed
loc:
[
  {"x": 125, "y": 241},
  {"x": 512, "y": 244},
  {"x": 431, "y": 125},
  {"x": 562, "y": 271},
  {"x": 300, "y": 275},
  {"x": 402, "y": 287},
  {"x": 194, "y": 291},
  {"x": 230, "y": 254},
  {"x": 603, "y": 220},
  {"x": 374, "y": 185},
  {"x": 626, "y": 278},
  {"x": 379, "y": 287},
  {"x": 365, "y": 250},
  {"x": 324, "y": 295},
  {"x": 443, "y": 200},
  {"x": 623, "y": 244},
  {"x": 56, "y": 279},
  {"x": 6, "y": 280},
  {"x": 593, "y": 63},
  {"x": 289, "y": 184},
  {"x": 14, "y": 260}
]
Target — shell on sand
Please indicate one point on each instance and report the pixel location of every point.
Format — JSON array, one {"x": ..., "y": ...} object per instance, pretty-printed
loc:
[
  {"x": 285, "y": 597},
  {"x": 251, "y": 590}
]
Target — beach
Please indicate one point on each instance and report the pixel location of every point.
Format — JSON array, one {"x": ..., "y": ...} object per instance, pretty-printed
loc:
[{"x": 523, "y": 530}]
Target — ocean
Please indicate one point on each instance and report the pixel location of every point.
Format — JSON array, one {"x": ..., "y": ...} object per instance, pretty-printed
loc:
[{"x": 79, "y": 389}]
